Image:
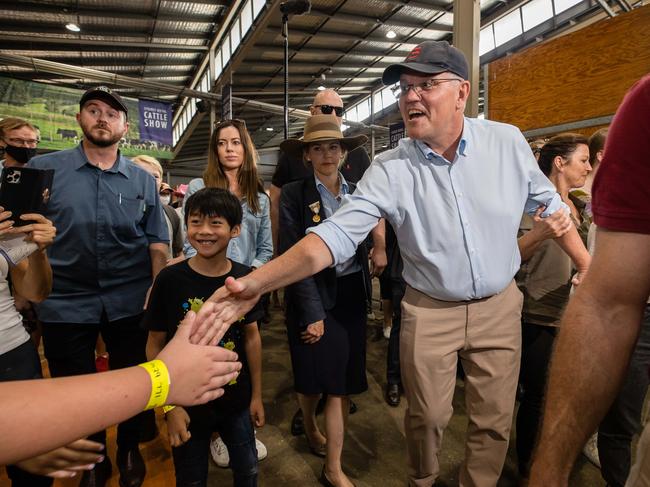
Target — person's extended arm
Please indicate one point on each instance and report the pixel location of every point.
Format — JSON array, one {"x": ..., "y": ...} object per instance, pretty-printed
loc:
[
  {"x": 253, "y": 347},
  {"x": 238, "y": 296},
  {"x": 378, "y": 257},
  {"x": 78, "y": 406},
  {"x": 597, "y": 335},
  {"x": 553, "y": 226}
]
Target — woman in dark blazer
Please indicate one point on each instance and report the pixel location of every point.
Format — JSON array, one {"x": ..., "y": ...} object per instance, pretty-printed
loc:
[{"x": 326, "y": 313}]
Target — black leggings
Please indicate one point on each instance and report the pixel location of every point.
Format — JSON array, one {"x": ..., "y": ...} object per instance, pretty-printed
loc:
[{"x": 537, "y": 346}]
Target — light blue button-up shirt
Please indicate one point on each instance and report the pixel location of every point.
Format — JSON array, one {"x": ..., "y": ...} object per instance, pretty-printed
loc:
[
  {"x": 254, "y": 245},
  {"x": 332, "y": 203},
  {"x": 456, "y": 221}
]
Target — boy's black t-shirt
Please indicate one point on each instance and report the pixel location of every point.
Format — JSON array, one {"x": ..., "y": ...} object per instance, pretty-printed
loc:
[{"x": 179, "y": 289}]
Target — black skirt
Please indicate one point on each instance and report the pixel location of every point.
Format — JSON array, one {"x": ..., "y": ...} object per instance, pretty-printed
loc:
[{"x": 336, "y": 364}]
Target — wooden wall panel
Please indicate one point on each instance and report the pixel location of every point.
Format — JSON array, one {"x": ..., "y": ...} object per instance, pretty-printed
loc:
[{"x": 578, "y": 76}]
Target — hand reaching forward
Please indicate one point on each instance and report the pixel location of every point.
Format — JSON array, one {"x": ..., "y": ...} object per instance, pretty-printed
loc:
[
  {"x": 197, "y": 373},
  {"x": 65, "y": 461},
  {"x": 227, "y": 305}
]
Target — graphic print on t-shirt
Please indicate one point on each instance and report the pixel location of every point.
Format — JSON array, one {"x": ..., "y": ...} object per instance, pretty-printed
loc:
[{"x": 195, "y": 304}]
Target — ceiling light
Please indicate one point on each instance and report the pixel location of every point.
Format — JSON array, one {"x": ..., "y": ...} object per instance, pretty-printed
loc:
[
  {"x": 391, "y": 34},
  {"x": 73, "y": 27},
  {"x": 321, "y": 88},
  {"x": 269, "y": 129}
]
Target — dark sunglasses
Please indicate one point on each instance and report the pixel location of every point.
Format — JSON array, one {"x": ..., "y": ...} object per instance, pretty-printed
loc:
[{"x": 327, "y": 109}]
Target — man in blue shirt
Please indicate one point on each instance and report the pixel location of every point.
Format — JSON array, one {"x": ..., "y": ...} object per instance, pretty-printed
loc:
[
  {"x": 454, "y": 192},
  {"x": 112, "y": 240}
]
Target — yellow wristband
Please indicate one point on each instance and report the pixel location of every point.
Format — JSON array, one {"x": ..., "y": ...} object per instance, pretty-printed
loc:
[
  {"x": 159, "y": 383},
  {"x": 166, "y": 409}
]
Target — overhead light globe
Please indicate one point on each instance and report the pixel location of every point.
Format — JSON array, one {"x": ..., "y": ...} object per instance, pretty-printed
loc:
[
  {"x": 269, "y": 129},
  {"x": 73, "y": 27},
  {"x": 391, "y": 34},
  {"x": 321, "y": 88}
]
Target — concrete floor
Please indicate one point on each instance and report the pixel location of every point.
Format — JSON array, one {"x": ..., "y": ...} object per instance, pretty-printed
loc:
[{"x": 374, "y": 452}]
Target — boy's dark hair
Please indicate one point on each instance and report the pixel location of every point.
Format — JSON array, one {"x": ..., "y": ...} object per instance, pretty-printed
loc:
[{"x": 214, "y": 202}]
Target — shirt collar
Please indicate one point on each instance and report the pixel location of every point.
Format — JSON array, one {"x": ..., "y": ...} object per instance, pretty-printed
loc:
[
  {"x": 344, "y": 189},
  {"x": 121, "y": 166},
  {"x": 461, "y": 150}
]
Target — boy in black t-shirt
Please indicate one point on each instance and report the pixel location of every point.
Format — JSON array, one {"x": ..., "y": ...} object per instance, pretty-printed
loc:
[{"x": 212, "y": 216}]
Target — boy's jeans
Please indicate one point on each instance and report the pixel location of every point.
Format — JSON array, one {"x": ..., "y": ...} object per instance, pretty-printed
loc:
[{"x": 236, "y": 430}]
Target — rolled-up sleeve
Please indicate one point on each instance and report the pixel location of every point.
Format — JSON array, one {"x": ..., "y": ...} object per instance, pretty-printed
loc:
[{"x": 541, "y": 191}]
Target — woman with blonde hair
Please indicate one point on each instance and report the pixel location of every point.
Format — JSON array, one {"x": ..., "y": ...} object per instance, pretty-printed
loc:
[{"x": 174, "y": 226}]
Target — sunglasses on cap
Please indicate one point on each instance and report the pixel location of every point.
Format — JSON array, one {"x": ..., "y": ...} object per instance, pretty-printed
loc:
[{"x": 327, "y": 109}]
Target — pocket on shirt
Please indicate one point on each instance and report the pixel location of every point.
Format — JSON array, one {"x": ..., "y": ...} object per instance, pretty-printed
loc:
[{"x": 129, "y": 214}]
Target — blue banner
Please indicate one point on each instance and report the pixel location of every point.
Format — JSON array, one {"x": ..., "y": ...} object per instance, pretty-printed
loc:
[
  {"x": 396, "y": 132},
  {"x": 155, "y": 122}
]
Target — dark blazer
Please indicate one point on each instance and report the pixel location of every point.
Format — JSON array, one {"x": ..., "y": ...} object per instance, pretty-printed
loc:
[{"x": 307, "y": 300}]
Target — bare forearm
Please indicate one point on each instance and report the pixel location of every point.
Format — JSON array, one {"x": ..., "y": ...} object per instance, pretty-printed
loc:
[
  {"x": 309, "y": 256},
  {"x": 43, "y": 405},
  {"x": 155, "y": 343},
  {"x": 572, "y": 244},
  {"x": 33, "y": 281},
  {"x": 588, "y": 366},
  {"x": 379, "y": 235},
  {"x": 158, "y": 254},
  {"x": 528, "y": 244}
]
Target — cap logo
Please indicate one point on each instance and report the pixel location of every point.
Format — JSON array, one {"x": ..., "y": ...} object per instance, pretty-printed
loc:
[
  {"x": 105, "y": 89},
  {"x": 414, "y": 53}
]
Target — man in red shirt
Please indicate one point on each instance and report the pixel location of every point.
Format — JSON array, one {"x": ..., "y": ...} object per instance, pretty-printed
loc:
[{"x": 602, "y": 321}]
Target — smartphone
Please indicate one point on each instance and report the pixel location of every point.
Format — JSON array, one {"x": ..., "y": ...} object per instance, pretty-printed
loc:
[{"x": 25, "y": 190}]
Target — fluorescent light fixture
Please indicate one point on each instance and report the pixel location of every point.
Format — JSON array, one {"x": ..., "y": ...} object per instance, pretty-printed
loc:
[
  {"x": 73, "y": 27},
  {"x": 321, "y": 88},
  {"x": 269, "y": 129},
  {"x": 391, "y": 34}
]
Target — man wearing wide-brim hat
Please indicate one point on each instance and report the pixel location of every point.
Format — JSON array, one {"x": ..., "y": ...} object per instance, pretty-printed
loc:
[{"x": 454, "y": 191}]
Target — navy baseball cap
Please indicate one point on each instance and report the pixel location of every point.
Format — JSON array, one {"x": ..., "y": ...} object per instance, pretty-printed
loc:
[
  {"x": 429, "y": 57},
  {"x": 105, "y": 94}
]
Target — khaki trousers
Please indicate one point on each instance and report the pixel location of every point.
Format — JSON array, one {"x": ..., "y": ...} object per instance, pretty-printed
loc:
[
  {"x": 486, "y": 333},
  {"x": 640, "y": 472}
]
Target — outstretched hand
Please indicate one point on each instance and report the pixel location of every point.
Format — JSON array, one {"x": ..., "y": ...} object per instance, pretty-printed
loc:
[
  {"x": 65, "y": 461},
  {"x": 228, "y": 304},
  {"x": 197, "y": 373}
]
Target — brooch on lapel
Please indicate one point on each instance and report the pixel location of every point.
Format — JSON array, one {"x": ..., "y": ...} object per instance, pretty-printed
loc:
[{"x": 315, "y": 208}]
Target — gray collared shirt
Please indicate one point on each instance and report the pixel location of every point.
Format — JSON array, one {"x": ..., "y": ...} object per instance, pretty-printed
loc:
[{"x": 105, "y": 221}]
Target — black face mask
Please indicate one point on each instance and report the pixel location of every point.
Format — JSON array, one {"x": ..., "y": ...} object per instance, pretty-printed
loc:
[{"x": 22, "y": 155}]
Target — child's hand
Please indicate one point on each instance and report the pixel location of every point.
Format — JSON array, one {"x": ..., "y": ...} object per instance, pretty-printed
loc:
[
  {"x": 177, "y": 423},
  {"x": 257, "y": 413}
]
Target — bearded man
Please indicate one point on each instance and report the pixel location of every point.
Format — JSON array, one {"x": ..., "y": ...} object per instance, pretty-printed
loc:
[{"x": 112, "y": 241}]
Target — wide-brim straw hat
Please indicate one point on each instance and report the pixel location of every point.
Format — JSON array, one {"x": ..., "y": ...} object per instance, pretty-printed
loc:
[{"x": 319, "y": 128}]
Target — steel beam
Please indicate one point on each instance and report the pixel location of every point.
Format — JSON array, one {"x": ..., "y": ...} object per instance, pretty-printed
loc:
[{"x": 30, "y": 41}]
